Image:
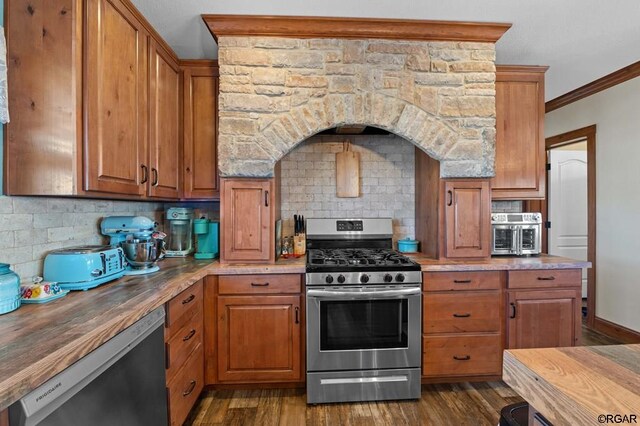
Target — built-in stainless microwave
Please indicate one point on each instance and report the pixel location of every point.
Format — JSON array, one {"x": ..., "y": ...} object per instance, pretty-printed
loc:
[{"x": 516, "y": 234}]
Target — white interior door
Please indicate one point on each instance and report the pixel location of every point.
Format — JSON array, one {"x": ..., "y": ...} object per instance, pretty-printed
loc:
[{"x": 568, "y": 206}]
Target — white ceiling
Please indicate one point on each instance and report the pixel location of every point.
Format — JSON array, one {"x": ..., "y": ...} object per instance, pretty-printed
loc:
[{"x": 581, "y": 40}]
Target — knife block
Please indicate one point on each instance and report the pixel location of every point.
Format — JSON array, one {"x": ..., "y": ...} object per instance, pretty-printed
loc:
[{"x": 299, "y": 245}]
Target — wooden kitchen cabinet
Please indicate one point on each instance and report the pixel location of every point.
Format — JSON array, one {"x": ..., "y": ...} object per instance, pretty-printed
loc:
[
  {"x": 260, "y": 334},
  {"x": 467, "y": 222},
  {"x": 97, "y": 102},
  {"x": 200, "y": 131},
  {"x": 116, "y": 98},
  {"x": 248, "y": 211},
  {"x": 520, "y": 150},
  {"x": 545, "y": 314},
  {"x": 462, "y": 324},
  {"x": 164, "y": 124},
  {"x": 184, "y": 351}
]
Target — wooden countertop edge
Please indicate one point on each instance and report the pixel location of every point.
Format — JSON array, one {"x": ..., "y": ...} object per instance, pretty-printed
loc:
[
  {"x": 107, "y": 326},
  {"x": 523, "y": 380}
]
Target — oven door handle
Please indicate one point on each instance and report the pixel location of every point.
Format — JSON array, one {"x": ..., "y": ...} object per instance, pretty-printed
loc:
[{"x": 375, "y": 294}]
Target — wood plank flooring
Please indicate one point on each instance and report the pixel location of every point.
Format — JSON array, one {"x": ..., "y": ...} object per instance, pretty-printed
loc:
[{"x": 474, "y": 404}]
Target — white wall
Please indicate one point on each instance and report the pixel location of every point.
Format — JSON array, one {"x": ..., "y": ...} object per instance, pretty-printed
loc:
[{"x": 616, "y": 113}]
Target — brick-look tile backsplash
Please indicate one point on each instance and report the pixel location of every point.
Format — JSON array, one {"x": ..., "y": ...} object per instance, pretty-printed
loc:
[
  {"x": 506, "y": 206},
  {"x": 31, "y": 227},
  {"x": 387, "y": 178}
]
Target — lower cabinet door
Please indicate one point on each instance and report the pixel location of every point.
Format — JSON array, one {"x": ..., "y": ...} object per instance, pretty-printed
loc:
[
  {"x": 259, "y": 339},
  {"x": 185, "y": 387},
  {"x": 543, "y": 318},
  {"x": 462, "y": 355}
]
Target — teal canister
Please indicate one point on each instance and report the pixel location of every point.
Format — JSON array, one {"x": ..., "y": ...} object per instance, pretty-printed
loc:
[{"x": 9, "y": 289}]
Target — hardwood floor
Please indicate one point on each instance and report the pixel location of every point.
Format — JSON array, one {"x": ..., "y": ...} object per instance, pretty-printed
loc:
[{"x": 443, "y": 404}]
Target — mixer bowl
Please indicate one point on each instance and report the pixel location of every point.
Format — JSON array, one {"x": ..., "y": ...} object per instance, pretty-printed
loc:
[{"x": 143, "y": 254}]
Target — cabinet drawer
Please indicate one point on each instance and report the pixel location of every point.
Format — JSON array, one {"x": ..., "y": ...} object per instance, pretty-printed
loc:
[
  {"x": 259, "y": 284},
  {"x": 461, "y": 312},
  {"x": 475, "y": 280},
  {"x": 186, "y": 303},
  {"x": 183, "y": 343},
  {"x": 467, "y": 355},
  {"x": 545, "y": 278},
  {"x": 184, "y": 389}
]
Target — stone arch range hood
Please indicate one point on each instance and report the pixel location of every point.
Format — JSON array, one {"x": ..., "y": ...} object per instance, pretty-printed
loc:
[{"x": 284, "y": 79}]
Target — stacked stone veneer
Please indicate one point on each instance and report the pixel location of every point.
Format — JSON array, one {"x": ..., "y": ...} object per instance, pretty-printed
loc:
[{"x": 277, "y": 92}]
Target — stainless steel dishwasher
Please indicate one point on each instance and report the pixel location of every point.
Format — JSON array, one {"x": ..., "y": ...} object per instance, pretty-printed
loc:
[{"x": 120, "y": 383}]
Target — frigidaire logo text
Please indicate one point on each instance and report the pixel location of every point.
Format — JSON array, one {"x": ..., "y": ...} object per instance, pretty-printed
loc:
[{"x": 48, "y": 391}]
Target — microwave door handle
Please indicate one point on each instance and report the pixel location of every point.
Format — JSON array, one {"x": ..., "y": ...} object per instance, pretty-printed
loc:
[
  {"x": 514, "y": 240},
  {"x": 519, "y": 246}
]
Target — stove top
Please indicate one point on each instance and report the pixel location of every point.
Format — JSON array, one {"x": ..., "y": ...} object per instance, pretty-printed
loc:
[{"x": 358, "y": 259}]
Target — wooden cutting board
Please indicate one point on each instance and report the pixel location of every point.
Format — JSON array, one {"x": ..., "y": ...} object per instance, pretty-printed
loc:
[{"x": 348, "y": 174}]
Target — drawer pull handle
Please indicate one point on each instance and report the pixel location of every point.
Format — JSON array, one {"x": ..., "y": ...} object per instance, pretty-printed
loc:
[
  {"x": 546, "y": 278},
  {"x": 461, "y": 315},
  {"x": 192, "y": 386},
  {"x": 189, "y": 336},
  {"x": 259, "y": 284},
  {"x": 462, "y": 281},
  {"x": 462, "y": 358},
  {"x": 188, "y": 299}
]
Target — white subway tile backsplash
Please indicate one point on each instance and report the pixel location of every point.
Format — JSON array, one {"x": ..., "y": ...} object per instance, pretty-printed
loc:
[{"x": 386, "y": 181}]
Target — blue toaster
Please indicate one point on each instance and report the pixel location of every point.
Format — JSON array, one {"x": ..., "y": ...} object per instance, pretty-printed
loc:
[{"x": 84, "y": 267}]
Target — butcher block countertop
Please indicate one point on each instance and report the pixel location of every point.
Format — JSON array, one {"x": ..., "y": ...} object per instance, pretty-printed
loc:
[
  {"x": 39, "y": 341},
  {"x": 574, "y": 386}
]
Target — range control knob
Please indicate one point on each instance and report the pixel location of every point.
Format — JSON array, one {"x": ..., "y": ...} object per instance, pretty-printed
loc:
[
  {"x": 387, "y": 278},
  {"x": 364, "y": 278},
  {"x": 341, "y": 279},
  {"x": 400, "y": 278},
  {"x": 329, "y": 279}
]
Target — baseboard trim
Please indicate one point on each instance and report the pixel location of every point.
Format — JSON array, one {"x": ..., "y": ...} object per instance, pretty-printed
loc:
[{"x": 617, "y": 331}]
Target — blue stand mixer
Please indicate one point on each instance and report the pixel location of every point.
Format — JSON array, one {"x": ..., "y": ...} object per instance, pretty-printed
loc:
[{"x": 141, "y": 244}]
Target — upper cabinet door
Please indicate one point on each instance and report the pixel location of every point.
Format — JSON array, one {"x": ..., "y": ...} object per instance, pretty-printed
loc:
[
  {"x": 467, "y": 218},
  {"x": 164, "y": 124},
  {"x": 115, "y": 99},
  {"x": 520, "y": 152},
  {"x": 200, "y": 168},
  {"x": 246, "y": 216}
]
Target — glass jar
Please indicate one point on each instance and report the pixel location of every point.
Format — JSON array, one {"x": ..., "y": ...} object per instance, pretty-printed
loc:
[{"x": 9, "y": 289}]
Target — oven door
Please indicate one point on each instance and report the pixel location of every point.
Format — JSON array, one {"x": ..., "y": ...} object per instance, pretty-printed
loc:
[
  {"x": 529, "y": 239},
  {"x": 355, "y": 328},
  {"x": 504, "y": 239}
]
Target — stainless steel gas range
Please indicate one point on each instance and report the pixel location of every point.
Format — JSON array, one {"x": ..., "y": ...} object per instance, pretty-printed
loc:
[{"x": 363, "y": 313}]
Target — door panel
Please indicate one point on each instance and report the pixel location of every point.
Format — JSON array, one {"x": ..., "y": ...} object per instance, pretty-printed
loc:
[
  {"x": 246, "y": 220},
  {"x": 467, "y": 217},
  {"x": 259, "y": 338},
  {"x": 200, "y": 133},
  {"x": 115, "y": 98},
  {"x": 164, "y": 124},
  {"x": 568, "y": 211},
  {"x": 543, "y": 319},
  {"x": 520, "y": 156}
]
